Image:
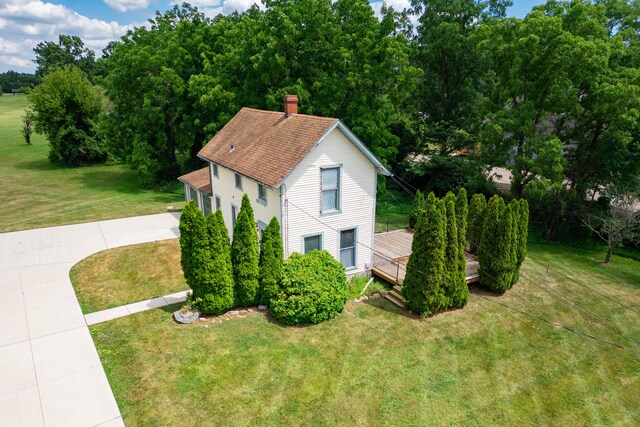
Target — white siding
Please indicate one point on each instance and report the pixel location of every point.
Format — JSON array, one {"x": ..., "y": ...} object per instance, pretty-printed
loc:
[
  {"x": 358, "y": 189},
  {"x": 224, "y": 186}
]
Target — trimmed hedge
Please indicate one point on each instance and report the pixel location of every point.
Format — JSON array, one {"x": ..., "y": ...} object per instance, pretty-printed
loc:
[
  {"x": 314, "y": 289},
  {"x": 271, "y": 259},
  {"x": 245, "y": 257}
]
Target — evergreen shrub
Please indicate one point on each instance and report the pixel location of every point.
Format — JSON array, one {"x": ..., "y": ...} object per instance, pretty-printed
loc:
[{"x": 313, "y": 289}]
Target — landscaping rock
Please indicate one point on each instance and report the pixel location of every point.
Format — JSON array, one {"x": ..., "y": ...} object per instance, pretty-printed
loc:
[
  {"x": 262, "y": 308},
  {"x": 186, "y": 317}
]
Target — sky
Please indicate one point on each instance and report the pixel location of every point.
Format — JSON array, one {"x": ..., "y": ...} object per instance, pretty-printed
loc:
[{"x": 25, "y": 23}]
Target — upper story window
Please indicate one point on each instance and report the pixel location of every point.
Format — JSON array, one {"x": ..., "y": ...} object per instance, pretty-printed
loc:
[
  {"x": 239, "y": 181},
  {"x": 262, "y": 194},
  {"x": 218, "y": 202},
  {"x": 330, "y": 184},
  {"x": 214, "y": 169}
]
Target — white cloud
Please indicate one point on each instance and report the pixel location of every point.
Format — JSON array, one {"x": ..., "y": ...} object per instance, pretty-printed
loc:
[
  {"x": 24, "y": 25},
  {"x": 124, "y": 5},
  {"x": 212, "y": 8}
]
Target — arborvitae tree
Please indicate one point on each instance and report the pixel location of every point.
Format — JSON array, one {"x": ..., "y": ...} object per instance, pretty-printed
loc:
[
  {"x": 417, "y": 207},
  {"x": 215, "y": 276},
  {"x": 475, "y": 221},
  {"x": 489, "y": 251},
  {"x": 522, "y": 226},
  {"x": 507, "y": 233},
  {"x": 200, "y": 257},
  {"x": 462, "y": 211},
  {"x": 187, "y": 223},
  {"x": 422, "y": 287},
  {"x": 451, "y": 258},
  {"x": 225, "y": 242},
  {"x": 245, "y": 258},
  {"x": 246, "y": 206},
  {"x": 271, "y": 259}
]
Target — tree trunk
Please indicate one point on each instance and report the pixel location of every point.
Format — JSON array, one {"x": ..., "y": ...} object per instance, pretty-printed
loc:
[{"x": 607, "y": 257}]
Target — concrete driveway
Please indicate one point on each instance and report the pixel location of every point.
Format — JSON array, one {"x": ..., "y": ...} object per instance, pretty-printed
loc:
[{"x": 50, "y": 373}]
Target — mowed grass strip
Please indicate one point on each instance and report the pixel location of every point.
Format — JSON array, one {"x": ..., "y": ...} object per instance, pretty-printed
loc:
[
  {"x": 129, "y": 274},
  {"x": 35, "y": 193},
  {"x": 376, "y": 365}
]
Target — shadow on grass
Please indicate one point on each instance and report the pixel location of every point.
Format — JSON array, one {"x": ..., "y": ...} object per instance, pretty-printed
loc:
[{"x": 38, "y": 165}]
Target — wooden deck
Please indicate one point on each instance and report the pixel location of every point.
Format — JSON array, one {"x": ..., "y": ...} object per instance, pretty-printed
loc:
[{"x": 391, "y": 254}]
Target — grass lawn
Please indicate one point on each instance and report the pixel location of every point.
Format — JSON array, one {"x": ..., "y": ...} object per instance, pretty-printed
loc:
[
  {"x": 129, "y": 274},
  {"x": 376, "y": 365},
  {"x": 36, "y": 193}
]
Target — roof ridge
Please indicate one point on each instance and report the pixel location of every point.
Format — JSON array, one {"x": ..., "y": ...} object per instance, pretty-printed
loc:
[{"x": 308, "y": 116}]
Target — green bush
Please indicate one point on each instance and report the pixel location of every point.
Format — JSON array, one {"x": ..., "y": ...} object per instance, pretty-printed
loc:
[
  {"x": 423, "y": 284},
  {"x": 245, "y": 257},
  {"x": 271, "y": 259},
  {"x": 522, "y": 234},
  {"x": 214, "y": 273},
  {"x": 313, "y": 289},
  {"x": 188, "y": 218},
  {"x": 417, "y": 208},
  {"x": 475, "y": 221}
]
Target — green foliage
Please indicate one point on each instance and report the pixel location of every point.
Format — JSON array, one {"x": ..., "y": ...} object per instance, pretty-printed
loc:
[
  {"x": 27, "y": 126},
  {"x": 189, "y": 218},
  {"x": 12, "y": 80},
  {"x": 417, "y": 208},
  {"x": 475, "y": 221},
  {"x": 498, "y": 251},
  {"x": 215, "y": 282},
  {"x": 314, "y": 289},
  {"x": 245, "y": 259},
  {"x": 423, "y": 287},
  {"x": 522, "y": 229},
  {"x": 224, "y": 239},
  {"x": 67, "y": 109},
  {"x": 271, "y": 259},
  {"x": 70, "y": 50},
  {"x": 462, "y": 213}
]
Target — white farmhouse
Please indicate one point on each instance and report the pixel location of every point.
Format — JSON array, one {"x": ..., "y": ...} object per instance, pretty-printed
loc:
[{"x": 311, "y": 173}]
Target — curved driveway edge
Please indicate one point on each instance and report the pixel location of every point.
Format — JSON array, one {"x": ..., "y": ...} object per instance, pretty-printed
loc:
[{"x": 50, "y": 372}]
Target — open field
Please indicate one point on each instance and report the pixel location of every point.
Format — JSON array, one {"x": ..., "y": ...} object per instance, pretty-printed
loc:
[
  {"x": 129, "y": 274},
  {"x": 35, "y": 193},
  {"x": 487, "y": 364}
]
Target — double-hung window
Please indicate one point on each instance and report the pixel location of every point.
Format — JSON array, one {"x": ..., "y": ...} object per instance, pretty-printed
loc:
[
  {"x": 312, "y": 242},
  {"x": 330, "y": 184},
  {"x": 206, "y": 205},
  {"x": 348, "y": 248},
  {"x": 193, "y": 194},
  {"x": 239, "y": 181},
  {"x": 214, "y": 169},
  {"x": 218, "y": 202},
  {"x": 262, "y": 194},
  {"x": 234, "y": 216}
]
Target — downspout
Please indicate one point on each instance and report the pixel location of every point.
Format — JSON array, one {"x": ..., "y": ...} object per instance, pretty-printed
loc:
[{"x": 284, "y": 219}]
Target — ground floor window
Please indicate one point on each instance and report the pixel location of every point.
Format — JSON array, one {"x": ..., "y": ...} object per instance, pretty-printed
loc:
[
  {"x": 193, "y": 194},
  {"x": 206, "y": 205},
  {"x": 312, "y": 242},
  {"x": 234, "y": 216},
  {"x": 218, "y": 202},
  {"x": 348, "y": 247}
]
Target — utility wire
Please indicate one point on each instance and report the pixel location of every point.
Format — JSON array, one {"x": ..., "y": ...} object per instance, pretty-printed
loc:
[{"x": 502, "y": 304}]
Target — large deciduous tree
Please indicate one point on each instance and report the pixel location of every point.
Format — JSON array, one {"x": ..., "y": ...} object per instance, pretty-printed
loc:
[
  {"x": 69, "y": 50},
  {"x": 67, "y": 110}
]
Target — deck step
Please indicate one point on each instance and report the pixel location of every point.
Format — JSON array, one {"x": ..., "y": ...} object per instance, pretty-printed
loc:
[
  {"x": 394, "y": 300},
  {"x": 397, "y": 294}
]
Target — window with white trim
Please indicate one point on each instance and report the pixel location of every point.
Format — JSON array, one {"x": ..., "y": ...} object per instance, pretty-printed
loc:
[
  {"x": 261, "y": 227},
  {"x": 214, "y": 169},
  {"x": 330, "y": 185},
  {"x": 312, "y": 242},
  {"x": 193, "y": 194},
  {"x": 348, "y": 247}
]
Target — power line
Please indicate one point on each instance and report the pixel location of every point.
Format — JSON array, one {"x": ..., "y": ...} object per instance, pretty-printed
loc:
[{"x": 602, "y": 322}]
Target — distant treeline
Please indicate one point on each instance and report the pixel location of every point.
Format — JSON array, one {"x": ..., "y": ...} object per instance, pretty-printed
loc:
[{"x": 12, "y": 81}]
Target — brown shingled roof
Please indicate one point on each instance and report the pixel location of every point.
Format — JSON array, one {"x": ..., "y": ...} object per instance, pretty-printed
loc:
[
  {"x": 265, "y": 145},
  {"x": 198, "y": 179}
]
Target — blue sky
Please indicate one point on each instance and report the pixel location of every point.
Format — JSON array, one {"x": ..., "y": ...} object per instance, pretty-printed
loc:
[{"x": 23, "y": 24}]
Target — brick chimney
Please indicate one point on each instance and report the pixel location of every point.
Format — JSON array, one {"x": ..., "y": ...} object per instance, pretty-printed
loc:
[{"x": 290, "y": 105}]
